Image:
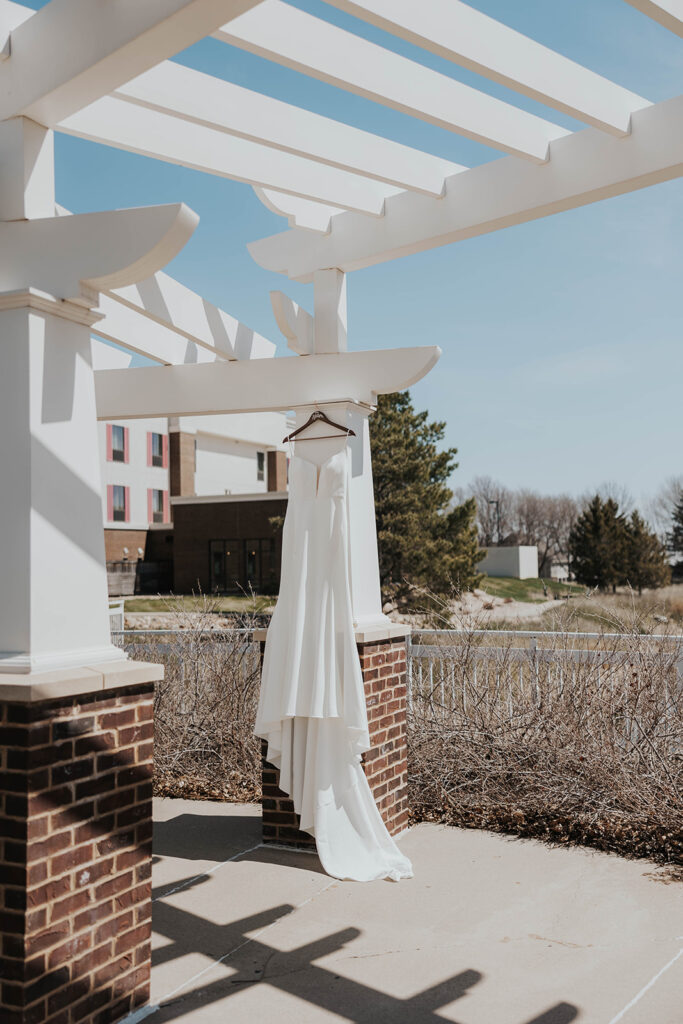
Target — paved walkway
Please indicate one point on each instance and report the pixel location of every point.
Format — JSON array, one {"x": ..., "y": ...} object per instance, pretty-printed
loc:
[{"x": 491, "y": 930}]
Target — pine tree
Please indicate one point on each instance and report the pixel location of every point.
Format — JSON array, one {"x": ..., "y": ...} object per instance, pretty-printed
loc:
[
  {"x": 597, "y": 545},
  {"x": 422, "y": 543},
  {"x": 646, "y": 563},
  {"x": 675, "y": 538}
]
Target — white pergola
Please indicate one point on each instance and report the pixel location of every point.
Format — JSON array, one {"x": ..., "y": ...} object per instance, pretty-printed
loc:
[{"x": 102, "y": 70}]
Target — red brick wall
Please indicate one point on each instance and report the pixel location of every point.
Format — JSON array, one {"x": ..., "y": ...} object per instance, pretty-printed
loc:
[
  {"x": 383, "y": 665},
  {"x": 386, "y": 767},
  {"x": 76, "y": 857}
]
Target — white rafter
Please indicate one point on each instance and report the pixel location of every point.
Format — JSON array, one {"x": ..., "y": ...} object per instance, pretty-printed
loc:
[
  {"x": 203, "y": 99},
  {"x": 164, "y": 301},
  {"x": 298, "y": 40},
  {"x": 460, "y": 33},
  {"x": 668, "y": 13},
  {"x": 587, "y": 166},
  {"x": 71, "y": 52},
  {"x": 137, "y": 129},
  {"x": 136, "y": 332}
]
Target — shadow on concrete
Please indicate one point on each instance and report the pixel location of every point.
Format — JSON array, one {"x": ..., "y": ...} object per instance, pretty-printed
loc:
[
  {"x": 252, "y": 961},
  {"x": 220, "y": 837},
  {"x": 215, "y": 837}
]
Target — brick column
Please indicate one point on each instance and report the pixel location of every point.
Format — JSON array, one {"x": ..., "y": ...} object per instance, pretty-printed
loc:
[
  {"x": 76, "y": 850},
  {"x": 382, "y": 655}
]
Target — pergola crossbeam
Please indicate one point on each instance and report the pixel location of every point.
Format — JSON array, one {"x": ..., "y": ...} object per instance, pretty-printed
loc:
[
  {"x": 668, "y": 13},
  {"x": 470, "y": 38},
  {"x": 163, "y": 301},
  {"x": 298, "y": 40},
  {"x": 203, "y": 99},
  {"x": 587, "y": 166},
  {"x": 136, "y": 129},
  {"x": 71, "y": 52}
]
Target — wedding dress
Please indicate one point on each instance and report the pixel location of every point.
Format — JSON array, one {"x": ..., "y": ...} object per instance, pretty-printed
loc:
[{"x": 312, "y": 708}]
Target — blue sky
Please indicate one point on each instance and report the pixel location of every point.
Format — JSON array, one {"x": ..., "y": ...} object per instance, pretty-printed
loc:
[{"x": 562, "y": 338}]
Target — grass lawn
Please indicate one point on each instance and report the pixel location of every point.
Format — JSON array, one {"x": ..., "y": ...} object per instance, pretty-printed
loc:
[
  {"x": 530, "y": 591},
  {"x": 243, "y": 603}
]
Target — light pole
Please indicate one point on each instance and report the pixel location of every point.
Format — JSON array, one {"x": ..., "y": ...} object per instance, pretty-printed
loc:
[{"x": 496, "y": 502}]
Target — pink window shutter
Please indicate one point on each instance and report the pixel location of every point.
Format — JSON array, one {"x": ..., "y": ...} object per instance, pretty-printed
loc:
[
  {"x": 149, "y": 448},
  {"x": 167, "y": 517},
  {"x": 150, "y": 502},
  {"x": 126, "y": 498},
  {"x": 164, "y": 451},
  {"x": 110, "y": 445},
  {"x": 110, "y": 501},
  {"x": 125, "y": 444}
]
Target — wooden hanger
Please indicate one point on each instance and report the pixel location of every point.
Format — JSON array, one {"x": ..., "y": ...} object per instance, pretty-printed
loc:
[{"x": 315, "y": 417}]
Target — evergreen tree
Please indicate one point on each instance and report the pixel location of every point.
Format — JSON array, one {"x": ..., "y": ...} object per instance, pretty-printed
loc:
[
  {"x": 422, "y": 542},
  {"x": 646, "y": 563},
  {"x": 675, "y": 538},
  {"x": 597, "y": 545}
]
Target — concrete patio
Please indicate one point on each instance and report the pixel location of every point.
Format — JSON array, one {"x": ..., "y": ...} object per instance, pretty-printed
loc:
[{"x": 492, "y": 930}]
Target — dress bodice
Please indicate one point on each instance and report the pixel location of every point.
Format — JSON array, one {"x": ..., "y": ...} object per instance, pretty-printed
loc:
[{"x": 308, "y": 481}]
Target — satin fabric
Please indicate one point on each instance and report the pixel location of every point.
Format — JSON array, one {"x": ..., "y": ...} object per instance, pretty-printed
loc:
[{"x": 312, "y": 710}]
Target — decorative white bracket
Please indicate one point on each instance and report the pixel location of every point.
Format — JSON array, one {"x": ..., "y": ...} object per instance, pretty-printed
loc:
[
  {"x": 325, "y": 331},
  {"x": 76, "y": 257},
  {"x": 295, "y": 323}
]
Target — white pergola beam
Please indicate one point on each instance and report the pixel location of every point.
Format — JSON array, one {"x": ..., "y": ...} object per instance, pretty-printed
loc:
[
  {"x": 587, "y": 166},
  {"x": 298, "y": 40},
  {"x": 267, "y": 386},
  {"x": 115, "y": 122},
  {"x": 138, "y": 333},
  {"x": 183, "y": 92},
  {"x": 300, "y": 213},
  {"x": 166, "y": 302},
  {"x": 460, "y": 33},
  {"x": 72, "y": 52},
  {"x": 668, "y": 13}
]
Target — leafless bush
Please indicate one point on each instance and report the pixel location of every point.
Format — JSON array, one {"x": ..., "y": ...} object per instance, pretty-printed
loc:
[
  {"x": 579, "y": 740},
  {"x": 204, "y": 709}
]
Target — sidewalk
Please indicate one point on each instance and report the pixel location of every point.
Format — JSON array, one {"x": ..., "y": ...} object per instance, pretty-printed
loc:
[{"x": 492, "y": 930}]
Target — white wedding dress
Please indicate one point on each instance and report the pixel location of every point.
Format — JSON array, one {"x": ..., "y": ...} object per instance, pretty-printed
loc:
[{"x": 312, "y": 708}]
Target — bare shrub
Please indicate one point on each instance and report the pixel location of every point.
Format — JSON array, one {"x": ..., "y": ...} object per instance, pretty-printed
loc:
[
  {"x": 578, "y": 741},
  {"x": 205, "y": 707}
]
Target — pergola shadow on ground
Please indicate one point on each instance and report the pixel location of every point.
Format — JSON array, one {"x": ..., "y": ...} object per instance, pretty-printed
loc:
[
  {"x": 521, "y": 933},
  {"x": 296, "y": 973}
]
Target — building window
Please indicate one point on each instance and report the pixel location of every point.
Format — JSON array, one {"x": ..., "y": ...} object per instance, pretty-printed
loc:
[
  {"x": 157, "y": 450},
  {"x": 119, "y": 504},
  {"x": 260, "y": 465},
  {"x": 118, "y": 444},
  {"x": 157, "y": 505}
]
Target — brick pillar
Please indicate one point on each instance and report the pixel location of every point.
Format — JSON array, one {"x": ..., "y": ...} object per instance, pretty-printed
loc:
[
  {"x": 76, "y": 853},
  {"x": 383, "y": 664}
]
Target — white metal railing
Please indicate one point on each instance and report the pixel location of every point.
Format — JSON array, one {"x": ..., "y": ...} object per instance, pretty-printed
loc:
[
  {"x": 510, "y": 670},
  {"x": 456, "y": 670},
  {"x": 116, "y": 616}
]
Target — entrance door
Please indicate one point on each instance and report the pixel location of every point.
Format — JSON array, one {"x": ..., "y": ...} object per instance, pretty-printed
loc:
[{"x": 225, "y": 565}]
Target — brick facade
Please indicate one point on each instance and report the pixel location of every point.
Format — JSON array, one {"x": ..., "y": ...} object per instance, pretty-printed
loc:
[
  {"x": 76, "y": 857},
  {"x": 277, "y": 471},
  {"x": 182, "y": 463},
  {"x": 383, "y": 664}
]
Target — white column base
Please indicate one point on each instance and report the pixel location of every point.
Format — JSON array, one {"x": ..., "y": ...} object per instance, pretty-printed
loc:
[{"x": 14, "y": 663}]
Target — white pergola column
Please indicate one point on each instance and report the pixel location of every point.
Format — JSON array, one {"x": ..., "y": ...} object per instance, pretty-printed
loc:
[
  {"x": 53, "y": 587},
  {"x": 53, "y": 583},
  {"x": 329, "y": 337}
]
